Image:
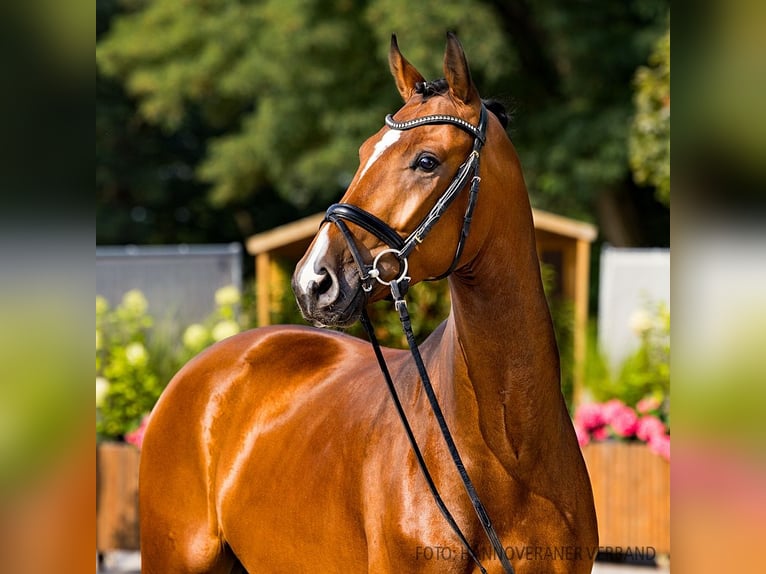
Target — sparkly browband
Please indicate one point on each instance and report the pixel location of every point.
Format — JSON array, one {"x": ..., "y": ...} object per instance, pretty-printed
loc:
[{"x": 435, "y": 119}]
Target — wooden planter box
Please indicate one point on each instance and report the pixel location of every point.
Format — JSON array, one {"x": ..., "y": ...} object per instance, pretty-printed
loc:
[
  {"x": 116, "y": 497},
  {"x": 631, "y": 489}
]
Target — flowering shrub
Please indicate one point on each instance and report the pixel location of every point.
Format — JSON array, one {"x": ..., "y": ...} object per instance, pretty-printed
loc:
[
  {"x": 126, "y": 386},
  {"x": 616, "y": 420},
  {"x": 135, "y": 359},
  {"x": 646, "y": 371},
  {"x": 219, "y": 326},
  {"x": 643, "y": 380}
]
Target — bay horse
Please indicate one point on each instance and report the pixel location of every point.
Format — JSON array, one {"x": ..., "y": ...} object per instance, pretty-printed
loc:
[{"x": 279, "y": 449}]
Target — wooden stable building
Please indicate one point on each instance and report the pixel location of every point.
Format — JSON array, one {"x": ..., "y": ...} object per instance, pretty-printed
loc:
[{"x": 562, "y": 242}]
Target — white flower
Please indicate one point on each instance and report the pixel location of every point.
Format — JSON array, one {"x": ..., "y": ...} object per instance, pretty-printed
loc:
[
  {"x": 135, "y": 302},
  {"x": 136, "y": 354},
  {"x": 225, "y": 329},
  {"x": 195, "y": 337},
  {"x": 102, "y": 389},
  {"x": 228, "y": 295},
  {"x": 641, "y": 322}
]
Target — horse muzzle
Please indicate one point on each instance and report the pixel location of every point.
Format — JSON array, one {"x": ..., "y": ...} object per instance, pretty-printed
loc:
[{"x": 326, "y": 296}]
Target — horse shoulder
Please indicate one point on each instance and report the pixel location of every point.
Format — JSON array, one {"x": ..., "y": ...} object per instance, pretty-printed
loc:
[
  {"x": 237, "y": 385},
  {"x": 292, "y": 412}
]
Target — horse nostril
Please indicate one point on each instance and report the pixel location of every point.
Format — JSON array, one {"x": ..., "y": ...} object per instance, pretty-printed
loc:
[
  {"x": 325, "y": 283},
  {"x": 323, "y": 288}
]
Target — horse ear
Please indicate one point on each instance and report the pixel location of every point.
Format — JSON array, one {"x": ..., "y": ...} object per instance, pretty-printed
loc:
[
  {"x": 456, "y": 72},
  {"x": 404, "y": 73}
]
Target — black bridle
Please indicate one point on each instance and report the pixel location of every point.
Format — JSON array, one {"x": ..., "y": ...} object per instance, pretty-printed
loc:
[
  {"x": 400, "y": 247},
  {"x": 338, "y": 214}
]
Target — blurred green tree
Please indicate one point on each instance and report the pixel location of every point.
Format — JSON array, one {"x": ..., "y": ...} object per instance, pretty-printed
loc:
[
  {"x": 289, "y": 85},
  {"x": 147, "y": 190},
  {"x": 280, "y": 93},
  {"x": 650, "y": 132}
]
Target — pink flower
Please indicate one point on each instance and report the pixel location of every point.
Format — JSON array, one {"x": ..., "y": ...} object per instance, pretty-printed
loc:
[
  {"x": 612, "y": 409},
  {"x": 583, "y": 437},
  {"x": 615, "y": 419},
  {"x": 647, "y": 405},
  {"x": 624, "y": 421},
  {"x": 620, "y": 417},
  {"x": 660, "y": 445},
  {"x": 600, "y": 433},
  {"x": 589, "y": 416},
  {"x": 136, "y": 437},
  {"x": 649, "y": 426}
]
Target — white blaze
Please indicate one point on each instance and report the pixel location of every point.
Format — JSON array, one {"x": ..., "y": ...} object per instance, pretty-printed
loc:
[
  {"x": 308, "y": 274},
  {"x": 385, "y": 142}
]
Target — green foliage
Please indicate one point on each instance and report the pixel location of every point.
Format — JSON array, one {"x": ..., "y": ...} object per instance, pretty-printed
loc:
[
  {"x": 650, "y": 132},
  {"x": 572, "y": 138},
  {"x": 428, "y": 304},
  {"x": 127, "y": 384},
  {"x": 562, "y": 315},
  {"x": 136, "y": 357},
  {"x": 646, "y": 371},
  {"x": 280, "y": 94},
  {"x": 293, "y": 86},
  {"x": 222, "y": 323},
  {"x": 146, "y": 182}
]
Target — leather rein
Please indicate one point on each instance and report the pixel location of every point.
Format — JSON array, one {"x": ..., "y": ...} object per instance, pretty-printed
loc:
[{"x": 401, "y": 248}]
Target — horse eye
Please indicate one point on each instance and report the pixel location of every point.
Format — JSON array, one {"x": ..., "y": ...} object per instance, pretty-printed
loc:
[{"x": 427, "y": 162}]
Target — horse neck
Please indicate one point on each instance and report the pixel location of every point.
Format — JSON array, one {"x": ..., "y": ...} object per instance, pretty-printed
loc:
[{"x": 501, "y": 341}]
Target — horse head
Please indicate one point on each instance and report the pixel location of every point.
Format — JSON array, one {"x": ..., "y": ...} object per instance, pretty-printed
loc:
[{"x": 408, "y": 180}]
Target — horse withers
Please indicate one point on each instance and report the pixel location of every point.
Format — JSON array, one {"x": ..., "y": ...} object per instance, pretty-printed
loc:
[{"x": 279, "y": 449}]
